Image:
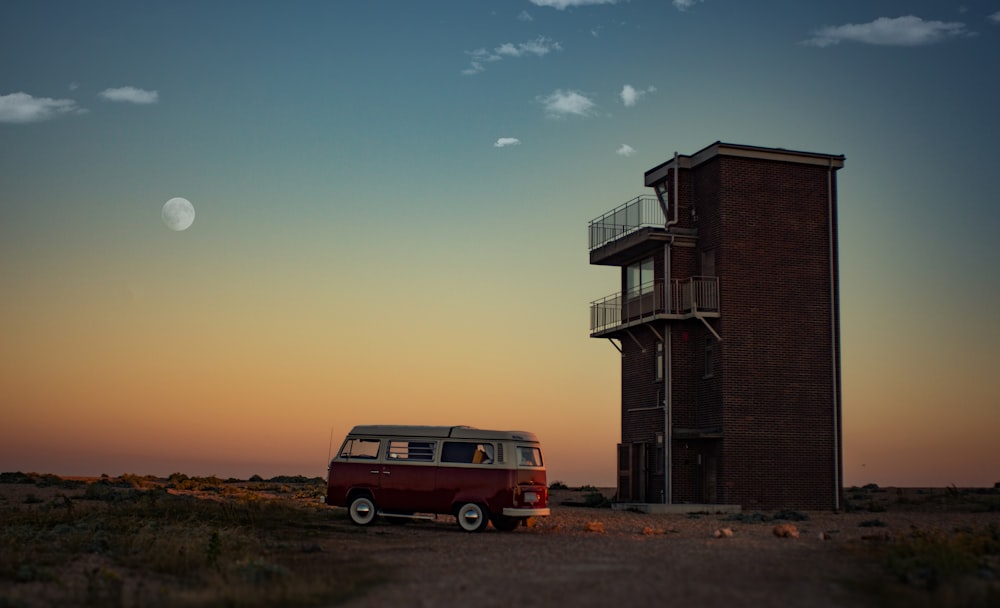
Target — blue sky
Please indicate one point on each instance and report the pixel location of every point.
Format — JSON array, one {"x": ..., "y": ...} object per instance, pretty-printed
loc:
[{"x": 406, "y": 186}]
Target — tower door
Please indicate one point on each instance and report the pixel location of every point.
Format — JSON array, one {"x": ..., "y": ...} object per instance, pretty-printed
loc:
[
  {"x": 625, "y": 483},
  {"x": 632, "y": 472},
  {"x": 709, "y": 474}
]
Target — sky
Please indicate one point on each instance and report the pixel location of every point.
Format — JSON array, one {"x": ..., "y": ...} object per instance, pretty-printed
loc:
[{"x": 391, "y": 202}]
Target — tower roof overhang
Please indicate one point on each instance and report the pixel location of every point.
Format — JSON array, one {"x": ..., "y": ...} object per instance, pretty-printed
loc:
[{"x": 658, "y": 173}]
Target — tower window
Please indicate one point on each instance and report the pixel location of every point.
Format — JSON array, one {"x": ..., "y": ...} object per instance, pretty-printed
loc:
[
  {"x": 639, "y": 278},
  {"x": 660, "y": 454},
  {"x": 659, "y": 360},
  {"x": 709, "y": 357}
]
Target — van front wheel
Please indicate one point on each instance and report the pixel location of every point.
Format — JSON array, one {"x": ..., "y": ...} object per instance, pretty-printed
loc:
[
  {"x": 362, "y": 510},
  {"x": 472, "y": 517}
]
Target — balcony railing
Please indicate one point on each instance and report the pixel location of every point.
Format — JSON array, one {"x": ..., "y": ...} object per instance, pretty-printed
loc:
[
  {"x": 687, "y": 297},
  {"x": 640, "y": 212}
]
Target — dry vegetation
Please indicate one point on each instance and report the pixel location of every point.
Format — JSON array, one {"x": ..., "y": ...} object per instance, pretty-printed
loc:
[{"x": 134, "y": 541}]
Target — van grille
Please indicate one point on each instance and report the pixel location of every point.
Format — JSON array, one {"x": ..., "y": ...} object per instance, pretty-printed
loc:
[{"x": 499, "y": 453}]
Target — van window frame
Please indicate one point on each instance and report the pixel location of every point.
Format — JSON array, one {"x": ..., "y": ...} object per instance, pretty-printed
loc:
[{"x": 350, "y": 442}]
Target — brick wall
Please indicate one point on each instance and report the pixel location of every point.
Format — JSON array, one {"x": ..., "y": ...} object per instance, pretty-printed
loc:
[
  {"x": 772, "y": 391},
  {"x": 774, "y": 268}
]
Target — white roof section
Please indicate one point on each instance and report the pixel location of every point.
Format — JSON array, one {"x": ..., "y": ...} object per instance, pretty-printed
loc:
[{"x": 440, "y": 432}]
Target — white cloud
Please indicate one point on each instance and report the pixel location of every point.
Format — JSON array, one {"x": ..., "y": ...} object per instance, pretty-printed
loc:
[
  {"x": 901, "y": 31},
  {"x": 683, "y": 5},
  {"x": 503, "y": 142},
  {"x": 625, "y": 150},
  {"x": 539, "y": 47},
  {"x": 995, "y": 17},
  {"x": 524, "y": 16},
  {"x": 562, "y": 4},
  {"x": 21, "y": 107},
  {"x": 560, "y": 103},
  {"x": 630, "y": 96},
  {"x": 130, "y": 95},
  {"x": 73, "y": 86}
]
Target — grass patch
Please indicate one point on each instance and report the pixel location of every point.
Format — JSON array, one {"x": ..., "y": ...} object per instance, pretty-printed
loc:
[
  {"x": 931, "y": 567},
  {"x": 147, "y": 546}
]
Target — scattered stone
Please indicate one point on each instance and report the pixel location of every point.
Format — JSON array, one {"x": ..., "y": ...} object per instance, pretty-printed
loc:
[
  {"x": 824, "y": 536},
  {"x": 594, "y": 526},
  {"x": 724, "y": 533},
  {"x": 786, "y": 531}
]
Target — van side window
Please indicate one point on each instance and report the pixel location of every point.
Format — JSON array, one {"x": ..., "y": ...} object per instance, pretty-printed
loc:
[
  {"x": 420, "y": 451},
  {"x": 360, "y": 448},
  {"x": 529, "y": 457},
  {"x": 467, "y": 453}
]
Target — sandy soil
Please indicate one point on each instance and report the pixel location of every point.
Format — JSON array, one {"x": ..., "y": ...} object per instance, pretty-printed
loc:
[{"x": 601, "y": 557}]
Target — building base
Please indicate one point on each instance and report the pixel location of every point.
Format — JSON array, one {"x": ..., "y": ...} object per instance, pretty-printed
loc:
[{"x": 654, "y": 508}]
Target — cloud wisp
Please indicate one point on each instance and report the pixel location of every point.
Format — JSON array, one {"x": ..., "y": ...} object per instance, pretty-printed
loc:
[
  {"x": 995, "y": 17},
  {"x": 683, "y": 5},
  {"x": 130, "y": 95},
  {"x": 22, "y": 108},
  {"x": 630, "y": 95},
  {"x": 564, "y": 4},
  {"x": 884, "y": 31},
  {"x": 625, "y": 150},
  {"x": 561, "y": 103},
  {"x": 504, "y": 142},
  {"x": 539, "y": 47},
  {"x": 525, "y": 16}
]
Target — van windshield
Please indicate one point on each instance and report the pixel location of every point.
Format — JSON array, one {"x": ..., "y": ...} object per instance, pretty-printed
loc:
[
  {"x": 360, "y": 448},
  {"x": 529, "y": 457}
]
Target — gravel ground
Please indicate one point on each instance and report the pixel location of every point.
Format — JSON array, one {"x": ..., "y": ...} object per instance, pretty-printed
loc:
[{"x": 599, "y": 557}]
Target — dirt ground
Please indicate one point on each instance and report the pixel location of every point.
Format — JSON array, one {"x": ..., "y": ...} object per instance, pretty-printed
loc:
[
  {"x": 600, "y": 557},
  {"x": 583, "y": 556}
]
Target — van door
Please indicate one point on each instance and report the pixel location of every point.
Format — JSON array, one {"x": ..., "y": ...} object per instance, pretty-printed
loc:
[{"x": 407, "y": 480}]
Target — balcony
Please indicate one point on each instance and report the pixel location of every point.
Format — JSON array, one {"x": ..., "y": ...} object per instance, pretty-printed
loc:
[
  {"x": 687, "y": 298},
  {"x": 629, "y": 230}
]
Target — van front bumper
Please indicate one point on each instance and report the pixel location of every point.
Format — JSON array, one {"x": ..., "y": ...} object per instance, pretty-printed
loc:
[{"x": 515, "y": 512}]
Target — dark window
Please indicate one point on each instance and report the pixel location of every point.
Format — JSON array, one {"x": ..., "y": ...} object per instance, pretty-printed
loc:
[
  {"x": 708, "y": 263},
  {"x": 660, "y": 454},
  {"x": 467, "y": 453},
  {"x": 709, "y": 357}
]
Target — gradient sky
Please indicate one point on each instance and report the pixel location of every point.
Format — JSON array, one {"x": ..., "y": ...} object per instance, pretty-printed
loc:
[{"x": 392, "y": 201}]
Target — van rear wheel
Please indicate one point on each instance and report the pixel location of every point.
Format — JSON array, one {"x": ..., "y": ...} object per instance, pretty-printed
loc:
[
  {"x": 472, "y": 517},
  {"x": 362, "y": 510},
  {"x": 504, "y": 523}
]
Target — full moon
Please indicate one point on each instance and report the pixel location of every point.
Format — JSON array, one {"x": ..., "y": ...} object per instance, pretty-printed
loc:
[{"x": 178, "y": 214}]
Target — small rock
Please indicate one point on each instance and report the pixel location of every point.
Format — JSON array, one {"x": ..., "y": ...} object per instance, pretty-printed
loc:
[
  {"x": 723, "y": 533},
  {"x": 786, "y": 531},
  {"x": 594, "y": 526},
  {"x": 652, "y": 531},
  {"x": 824, "y": 536}
]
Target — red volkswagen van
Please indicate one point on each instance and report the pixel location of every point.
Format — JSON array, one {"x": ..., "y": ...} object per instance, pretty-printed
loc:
[{"x": 479, "y": 476}]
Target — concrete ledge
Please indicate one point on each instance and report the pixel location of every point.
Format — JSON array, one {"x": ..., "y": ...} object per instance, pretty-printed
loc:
[{"x": 660, "y": 508}]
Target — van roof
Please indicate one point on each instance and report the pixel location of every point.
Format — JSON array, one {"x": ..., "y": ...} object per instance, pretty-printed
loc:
[{"x": 455, "y": 432}]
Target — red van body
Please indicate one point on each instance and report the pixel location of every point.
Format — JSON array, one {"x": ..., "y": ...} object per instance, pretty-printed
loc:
[{"x": 477, "y": 475}]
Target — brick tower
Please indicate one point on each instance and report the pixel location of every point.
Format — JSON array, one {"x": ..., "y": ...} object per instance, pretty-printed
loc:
[{"x": 728, "y": 325}]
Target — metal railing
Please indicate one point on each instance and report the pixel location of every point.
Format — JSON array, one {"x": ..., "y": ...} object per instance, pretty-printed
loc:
[
  {"x": 640, "y": 212},
  {"x": 686, "y": 297}
]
